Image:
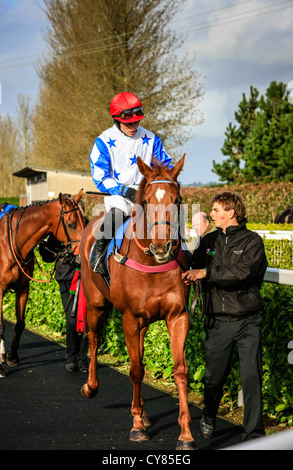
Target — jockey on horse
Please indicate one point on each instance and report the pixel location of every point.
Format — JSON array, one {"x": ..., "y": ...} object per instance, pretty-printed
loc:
[{"x": 114, "y": 167}]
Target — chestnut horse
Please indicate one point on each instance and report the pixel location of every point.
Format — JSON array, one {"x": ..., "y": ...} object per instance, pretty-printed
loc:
[
  {"x": 21, "y": 230},
  {"x": 144, "y": 291}
]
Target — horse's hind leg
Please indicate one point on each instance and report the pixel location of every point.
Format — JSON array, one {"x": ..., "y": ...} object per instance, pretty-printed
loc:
[
  {"x": 178, "y": 330},
  {"x": 20, "y": 304},
  {"x": 95, "y": 322}
]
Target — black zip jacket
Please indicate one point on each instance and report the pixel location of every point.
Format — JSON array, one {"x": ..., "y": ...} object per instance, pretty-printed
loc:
[{"x": 236, "y": 265}]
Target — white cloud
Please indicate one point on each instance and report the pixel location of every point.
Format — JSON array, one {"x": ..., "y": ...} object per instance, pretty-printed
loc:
[
  {"x": 214, "y": 107},
  {"x": 266, "y": 38}
]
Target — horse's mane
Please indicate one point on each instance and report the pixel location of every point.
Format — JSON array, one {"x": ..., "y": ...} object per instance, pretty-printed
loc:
[
  {"x": 159, "y": 170},
  {"x": 41, "y": 203}
]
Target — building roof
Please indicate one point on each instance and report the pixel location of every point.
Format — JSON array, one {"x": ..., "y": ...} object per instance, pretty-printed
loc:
[{"x": 30, "y": 171}]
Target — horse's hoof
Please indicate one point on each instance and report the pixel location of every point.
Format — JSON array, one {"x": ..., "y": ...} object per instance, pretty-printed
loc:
[
  {"x": 2, "y": 373},
  {"x": 139, "y": 435},
  {"x": 87, "y": 392},
  {"x": 12, "y": 361},
  {"x": 186, "y": 445}
]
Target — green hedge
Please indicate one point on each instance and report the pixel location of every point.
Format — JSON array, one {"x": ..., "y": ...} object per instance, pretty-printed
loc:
[
  {"x": 11, "y": 200},
  {"x": 279, "y": 253},
  {"x": 44, "y": 310},
  {"x": 263, "y": 201}
]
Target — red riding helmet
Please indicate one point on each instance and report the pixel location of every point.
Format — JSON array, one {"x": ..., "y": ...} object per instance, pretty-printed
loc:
[{"x": 126, "y": 107}]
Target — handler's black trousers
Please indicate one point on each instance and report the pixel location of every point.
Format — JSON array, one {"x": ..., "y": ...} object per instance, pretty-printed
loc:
[{"x": 220, "y": 341}]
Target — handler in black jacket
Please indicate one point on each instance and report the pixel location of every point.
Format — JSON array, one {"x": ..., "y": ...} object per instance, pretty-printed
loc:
[{"x": 231, "y": 263}]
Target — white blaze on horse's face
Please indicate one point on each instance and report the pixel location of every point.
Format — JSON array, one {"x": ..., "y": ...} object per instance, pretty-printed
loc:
[{"x": 160, "y": 193}]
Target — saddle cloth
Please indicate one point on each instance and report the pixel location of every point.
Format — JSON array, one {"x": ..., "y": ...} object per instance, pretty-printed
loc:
[
  {"x": 5, "y": 208},
  {"x": 117, "y": 239}
]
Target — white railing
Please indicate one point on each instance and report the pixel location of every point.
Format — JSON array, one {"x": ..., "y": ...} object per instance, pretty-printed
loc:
[
  {"x": 279, "y": 276},
  {"x": 276, "y": 235}
]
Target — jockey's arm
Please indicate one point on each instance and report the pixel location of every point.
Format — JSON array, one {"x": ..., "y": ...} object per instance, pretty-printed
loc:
[
  {"x": 160, "y": 153},
  {"x": 100, "y": 162}
]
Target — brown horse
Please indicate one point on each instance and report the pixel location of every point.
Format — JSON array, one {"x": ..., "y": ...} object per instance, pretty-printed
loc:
[
  {"x": 21, "y": 230},
  {"x": 145, "y": 289}
]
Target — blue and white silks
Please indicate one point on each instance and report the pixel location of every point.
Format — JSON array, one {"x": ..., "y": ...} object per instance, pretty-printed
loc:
[{"x": 113, "y": 160}]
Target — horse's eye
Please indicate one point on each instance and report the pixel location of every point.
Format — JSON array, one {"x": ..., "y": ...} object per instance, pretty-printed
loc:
[
  {"x": 72, "y": 226},
  {"x": 177, "y": 201}
]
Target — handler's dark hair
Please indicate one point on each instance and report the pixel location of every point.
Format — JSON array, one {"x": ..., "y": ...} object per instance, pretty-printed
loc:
[{"x": 230, "y": 201}]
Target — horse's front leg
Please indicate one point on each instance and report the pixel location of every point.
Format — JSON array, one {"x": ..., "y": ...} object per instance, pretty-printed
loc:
[
  {"x": 95, "y": 320},
  {"x": 134, "y": 342},
  {"x": 21, "y": 296},
  {"x": 178, "y": 330}
]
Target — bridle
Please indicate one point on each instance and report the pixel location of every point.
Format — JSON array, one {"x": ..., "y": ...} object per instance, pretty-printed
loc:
[
  {"x": 175, "y": 243},
  {"x": 61, "y": 219},
  {"x": 19, "y": 255}
]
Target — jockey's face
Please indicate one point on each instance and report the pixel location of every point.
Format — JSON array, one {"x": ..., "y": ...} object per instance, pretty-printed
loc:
[{"x": 129, "y": 129}]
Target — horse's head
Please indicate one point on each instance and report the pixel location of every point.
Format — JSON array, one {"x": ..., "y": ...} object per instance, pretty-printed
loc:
[
  {"x": 160, "y": 197},
  {"x": 72, "y": 221}
]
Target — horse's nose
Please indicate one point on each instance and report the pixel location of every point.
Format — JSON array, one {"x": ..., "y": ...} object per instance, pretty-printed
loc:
[
  {"x": 167, "y": 248},
  {"x": 161, "y": 252}
]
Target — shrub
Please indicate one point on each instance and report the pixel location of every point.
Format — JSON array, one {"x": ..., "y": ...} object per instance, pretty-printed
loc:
[{"x": 263, "y": 201}]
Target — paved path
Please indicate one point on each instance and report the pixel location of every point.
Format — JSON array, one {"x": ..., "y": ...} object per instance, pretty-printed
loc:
[{"x": 41, "y": 407}]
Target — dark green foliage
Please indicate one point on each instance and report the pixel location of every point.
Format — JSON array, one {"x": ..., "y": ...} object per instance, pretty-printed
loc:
[
  {"x": 260, "y": 145},
  {"x": 11, "y": 200},
  {"x": 263, "y": 201},
  {"x": 277, "y": 332}
]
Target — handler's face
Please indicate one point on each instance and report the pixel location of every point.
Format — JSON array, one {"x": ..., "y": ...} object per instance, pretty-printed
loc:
[{"x": 221, "y": 218}]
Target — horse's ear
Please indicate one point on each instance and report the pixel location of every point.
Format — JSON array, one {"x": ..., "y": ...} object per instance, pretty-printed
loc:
[
  {"x": 79, "y": 196},
  {"x": 143, "y": 167},
  {"x": 177, "y": 168},
  {"x": 61, "y": 199}
]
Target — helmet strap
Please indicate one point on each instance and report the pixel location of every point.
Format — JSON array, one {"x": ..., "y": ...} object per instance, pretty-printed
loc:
[{"x": 117, "y": 124}]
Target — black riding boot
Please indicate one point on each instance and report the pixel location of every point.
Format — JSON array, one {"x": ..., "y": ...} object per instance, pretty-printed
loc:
[
  {"x": 113, "y": 219},
  {"x": 97, "y": 259}
]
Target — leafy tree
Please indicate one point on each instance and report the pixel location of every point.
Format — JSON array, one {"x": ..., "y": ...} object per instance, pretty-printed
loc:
[
  {"x": 98, "y": 49},
  {"x": 9, "y": 158},
  {"x": 260, "y": 147},
  {"x": 24, "y": 124}
]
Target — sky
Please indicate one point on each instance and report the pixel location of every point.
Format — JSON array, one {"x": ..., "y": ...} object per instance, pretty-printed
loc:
[{"x": 237, "y": 44}]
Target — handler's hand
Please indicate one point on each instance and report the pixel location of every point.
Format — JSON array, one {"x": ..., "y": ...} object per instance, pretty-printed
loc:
[{"x": 193, "y": 275}]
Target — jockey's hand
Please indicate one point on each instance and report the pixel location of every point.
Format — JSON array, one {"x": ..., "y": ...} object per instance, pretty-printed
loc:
[
  {"x": 193, "y": 275},
  {"x": 131, "y": 194}
]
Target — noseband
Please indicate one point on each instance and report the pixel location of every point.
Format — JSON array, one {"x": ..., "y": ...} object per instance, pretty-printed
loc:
[{"x": 146, "y": 250}]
